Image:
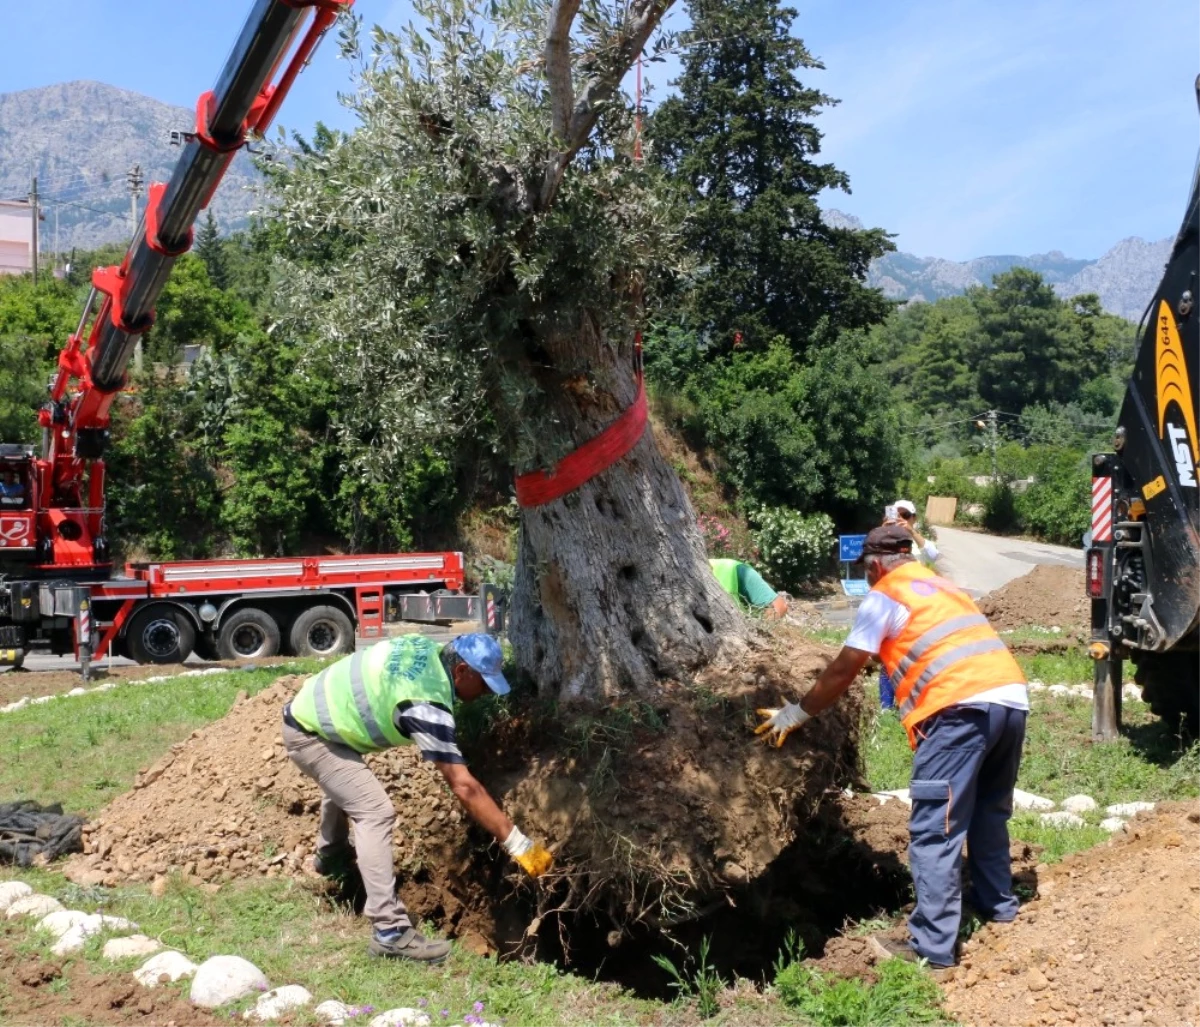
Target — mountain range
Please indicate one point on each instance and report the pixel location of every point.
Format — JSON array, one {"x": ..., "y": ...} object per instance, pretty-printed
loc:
[
  {"x": 1124, "y": 278},
  {"x": 82, "y": 138}
]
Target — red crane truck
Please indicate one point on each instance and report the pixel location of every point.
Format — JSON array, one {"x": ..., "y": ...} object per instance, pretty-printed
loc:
[{"x": 58, "y": 590}]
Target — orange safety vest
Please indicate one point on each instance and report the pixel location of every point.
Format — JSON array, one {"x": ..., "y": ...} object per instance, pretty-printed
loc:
[{"x": 947, "y": 651}]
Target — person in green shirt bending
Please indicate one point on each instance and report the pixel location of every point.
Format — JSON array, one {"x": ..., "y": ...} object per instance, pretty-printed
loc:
[
  {"x": 400, "y": 691},
  {"x": 747, "y": 586}
]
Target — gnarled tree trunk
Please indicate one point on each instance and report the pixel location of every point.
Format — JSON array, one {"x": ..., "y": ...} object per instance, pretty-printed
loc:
[{"x": 613, "y": 589}]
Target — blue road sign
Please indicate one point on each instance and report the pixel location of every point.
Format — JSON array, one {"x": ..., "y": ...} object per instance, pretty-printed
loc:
[{"x": 850, "y": 547}]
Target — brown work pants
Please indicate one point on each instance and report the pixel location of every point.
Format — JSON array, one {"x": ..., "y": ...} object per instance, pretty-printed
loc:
[{"x": 351, "y": 794}]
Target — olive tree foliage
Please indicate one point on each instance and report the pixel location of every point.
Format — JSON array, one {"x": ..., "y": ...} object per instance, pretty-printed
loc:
[{"x": 496, "y": 249}]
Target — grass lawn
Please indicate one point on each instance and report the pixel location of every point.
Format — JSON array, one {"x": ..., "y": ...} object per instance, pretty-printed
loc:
[
  {"x": 1060, "y": 759},
  {"x": 85, "y": 750}
]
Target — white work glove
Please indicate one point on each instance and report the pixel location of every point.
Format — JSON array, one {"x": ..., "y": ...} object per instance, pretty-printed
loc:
[
  {"x": 534, "y": 859},
  {"x": 780, "y": 722}
]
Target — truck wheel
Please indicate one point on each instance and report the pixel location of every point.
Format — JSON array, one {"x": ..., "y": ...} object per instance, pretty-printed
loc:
[
  {"x": 206, "y": 647},
  {"x": 160, "y": 634},
  {"x": 248, "y": 634},
  {"x": 1169, "y": 688},
  {"x": 322, "y": 631}
]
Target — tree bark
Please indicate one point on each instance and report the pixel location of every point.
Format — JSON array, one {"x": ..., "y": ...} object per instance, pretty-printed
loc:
[{"x": 613, "y": 590}]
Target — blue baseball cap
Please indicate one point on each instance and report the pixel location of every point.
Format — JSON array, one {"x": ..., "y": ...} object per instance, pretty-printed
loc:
[{"x": 483, "y": 654}]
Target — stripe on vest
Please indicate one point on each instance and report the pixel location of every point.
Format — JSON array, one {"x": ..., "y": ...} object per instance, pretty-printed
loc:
[
  {"x": 934, "y": 635},
  {"x": 358, "y": 688},
  {"x": 324, "y": 720},
  {"x": 964, "y": 652}
]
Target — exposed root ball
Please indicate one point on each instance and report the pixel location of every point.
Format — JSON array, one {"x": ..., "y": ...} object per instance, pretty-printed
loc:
[{"x": 659, "y": 811}]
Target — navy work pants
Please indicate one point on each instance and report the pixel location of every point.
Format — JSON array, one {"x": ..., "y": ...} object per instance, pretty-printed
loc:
[{"x": 963, "y": 775}]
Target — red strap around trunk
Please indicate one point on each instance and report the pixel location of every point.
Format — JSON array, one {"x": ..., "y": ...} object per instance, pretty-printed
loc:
[{"x": 594, "y": 456}]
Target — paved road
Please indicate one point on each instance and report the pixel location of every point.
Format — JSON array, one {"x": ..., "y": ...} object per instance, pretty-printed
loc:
[
  {"x": 979, "y": 563},
  {"x": 38, "y": 661},
  {"x": 982, "y": 563}
]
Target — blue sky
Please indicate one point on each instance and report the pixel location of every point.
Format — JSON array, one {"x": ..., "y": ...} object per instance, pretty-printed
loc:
[{"x": 967, "y": 128}]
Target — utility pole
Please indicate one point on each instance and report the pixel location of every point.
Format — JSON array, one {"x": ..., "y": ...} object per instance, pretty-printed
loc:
[
  {"x": 33, "y": 233},
  {"x": 134, "y": 178},
  {"x": 992, "y": 436}
]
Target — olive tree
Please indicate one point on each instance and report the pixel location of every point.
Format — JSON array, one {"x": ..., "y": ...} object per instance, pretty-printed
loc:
[{"x": 482, "y": 248}]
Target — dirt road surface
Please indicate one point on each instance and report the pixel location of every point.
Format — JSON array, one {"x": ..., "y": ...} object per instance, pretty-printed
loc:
[{"x": 981, "y": 563}]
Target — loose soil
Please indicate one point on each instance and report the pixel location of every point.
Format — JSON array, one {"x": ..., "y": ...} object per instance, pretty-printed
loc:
[
  {"x": 661, "y": 813},
  {"x": 35, "y": 991},
  {"x": 1112, "y": 938},
  {"x": 1048, "y": 596}
]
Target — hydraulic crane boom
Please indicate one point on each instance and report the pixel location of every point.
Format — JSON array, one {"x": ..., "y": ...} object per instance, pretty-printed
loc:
[{"x": 69, "y": 477}]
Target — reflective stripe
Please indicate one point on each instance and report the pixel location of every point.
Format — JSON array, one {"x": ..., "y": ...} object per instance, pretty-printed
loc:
[
  {"x": 965, "y": 652},
  {"x": 358, "y": 688},
  {"x": 934, "y": 635},
  {"x": 321, "y": 703}
]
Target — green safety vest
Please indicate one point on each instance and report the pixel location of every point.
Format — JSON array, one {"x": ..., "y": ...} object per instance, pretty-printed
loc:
[
  {"x": 727, "y": 574},
  {"x": 351, "y": 702}
]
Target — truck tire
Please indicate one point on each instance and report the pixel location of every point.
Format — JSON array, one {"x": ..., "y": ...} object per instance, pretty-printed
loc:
[
  {"x": 1168, "y": 683},
  {"x": 206, "y": 647},
  {"x": 322, "y": 631},
  {"x": 160, "y": 633},
  {"x": 248, "y": 634}
]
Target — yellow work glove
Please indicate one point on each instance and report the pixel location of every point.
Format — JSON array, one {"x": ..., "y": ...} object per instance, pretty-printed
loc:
[
  {"x": 533, "y": 858},
  {"x": 780, "y": 723}
]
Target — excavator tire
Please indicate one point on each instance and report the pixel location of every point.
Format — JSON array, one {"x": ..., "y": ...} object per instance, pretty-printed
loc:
[{"x": 1169, "y": 687}]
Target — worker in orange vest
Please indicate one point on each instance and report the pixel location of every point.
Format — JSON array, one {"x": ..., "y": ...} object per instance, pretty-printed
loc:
[{"x": 962, "y": 699}]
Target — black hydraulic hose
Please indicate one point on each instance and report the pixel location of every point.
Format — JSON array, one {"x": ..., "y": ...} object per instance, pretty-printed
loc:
[{"x": 263, "y": 40}]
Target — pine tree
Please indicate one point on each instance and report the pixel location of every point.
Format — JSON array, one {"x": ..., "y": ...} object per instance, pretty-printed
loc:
[
  {"x": 210, "y": 248},
  {"x": 741, "y": 135}
]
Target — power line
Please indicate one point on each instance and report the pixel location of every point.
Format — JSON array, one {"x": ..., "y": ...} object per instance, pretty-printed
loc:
[{"x": 81, "y": 206}]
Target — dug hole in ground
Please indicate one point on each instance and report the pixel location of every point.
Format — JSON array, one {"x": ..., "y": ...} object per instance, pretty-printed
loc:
[{"x": 670, "y": 822}]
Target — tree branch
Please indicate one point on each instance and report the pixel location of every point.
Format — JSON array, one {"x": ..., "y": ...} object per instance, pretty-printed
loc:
[
  {"x": 558, "y": 65},
  {"x": 643, "y": 18}
]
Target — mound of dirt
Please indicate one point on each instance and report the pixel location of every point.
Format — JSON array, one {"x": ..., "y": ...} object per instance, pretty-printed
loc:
[
  {"x": 656, "y": 809},
  {"x": 1111, "y": 938},
  {"x": 1048, "y": 596}
]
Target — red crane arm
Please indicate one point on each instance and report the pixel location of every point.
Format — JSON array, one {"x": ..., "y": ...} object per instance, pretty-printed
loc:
[{"x": 92, "y": 364}]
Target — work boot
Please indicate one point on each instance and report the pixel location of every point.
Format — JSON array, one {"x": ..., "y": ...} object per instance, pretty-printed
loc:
[
  {"x": 889, "y": 948},
  {"x": 334, "y": 862},
  {"x": 408, "y": 943}
]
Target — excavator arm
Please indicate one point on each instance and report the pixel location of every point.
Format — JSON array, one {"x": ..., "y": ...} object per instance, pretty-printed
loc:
[{"x": 275, "y": 44}]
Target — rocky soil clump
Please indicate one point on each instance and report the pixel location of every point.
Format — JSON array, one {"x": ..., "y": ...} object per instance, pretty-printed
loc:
[
  {"x": 1110, "y": 939},
  {"x": 1049, "y": 596}
]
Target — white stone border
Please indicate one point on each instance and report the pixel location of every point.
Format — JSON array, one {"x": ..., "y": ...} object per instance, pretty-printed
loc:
[
  {"x": 218, "y": 981},
  {"x": 108, "y": 686}
]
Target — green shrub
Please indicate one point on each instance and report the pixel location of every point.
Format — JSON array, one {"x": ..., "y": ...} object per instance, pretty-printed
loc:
[
  {"x": 903, "y": 994},
  {"x": 793, "y": 548},
  {"x": 1057, "y": 506},
  {"x": 1000, "y": 509}
]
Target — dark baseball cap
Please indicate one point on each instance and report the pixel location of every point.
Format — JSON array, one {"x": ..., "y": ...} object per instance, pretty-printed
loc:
[{"x": 888, "y": 540}]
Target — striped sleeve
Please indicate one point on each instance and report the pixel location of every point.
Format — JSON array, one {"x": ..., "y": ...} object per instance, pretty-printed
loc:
[{"x": 430, "y": 727}]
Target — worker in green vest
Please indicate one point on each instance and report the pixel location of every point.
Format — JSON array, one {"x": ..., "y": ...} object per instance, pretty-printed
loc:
[
  {"x": 747, "y": 586},
  {"x": 398, "y": 692}
]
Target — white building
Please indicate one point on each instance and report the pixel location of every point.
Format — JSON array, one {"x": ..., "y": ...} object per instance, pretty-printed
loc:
[{"x": 16, "y": 237}]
